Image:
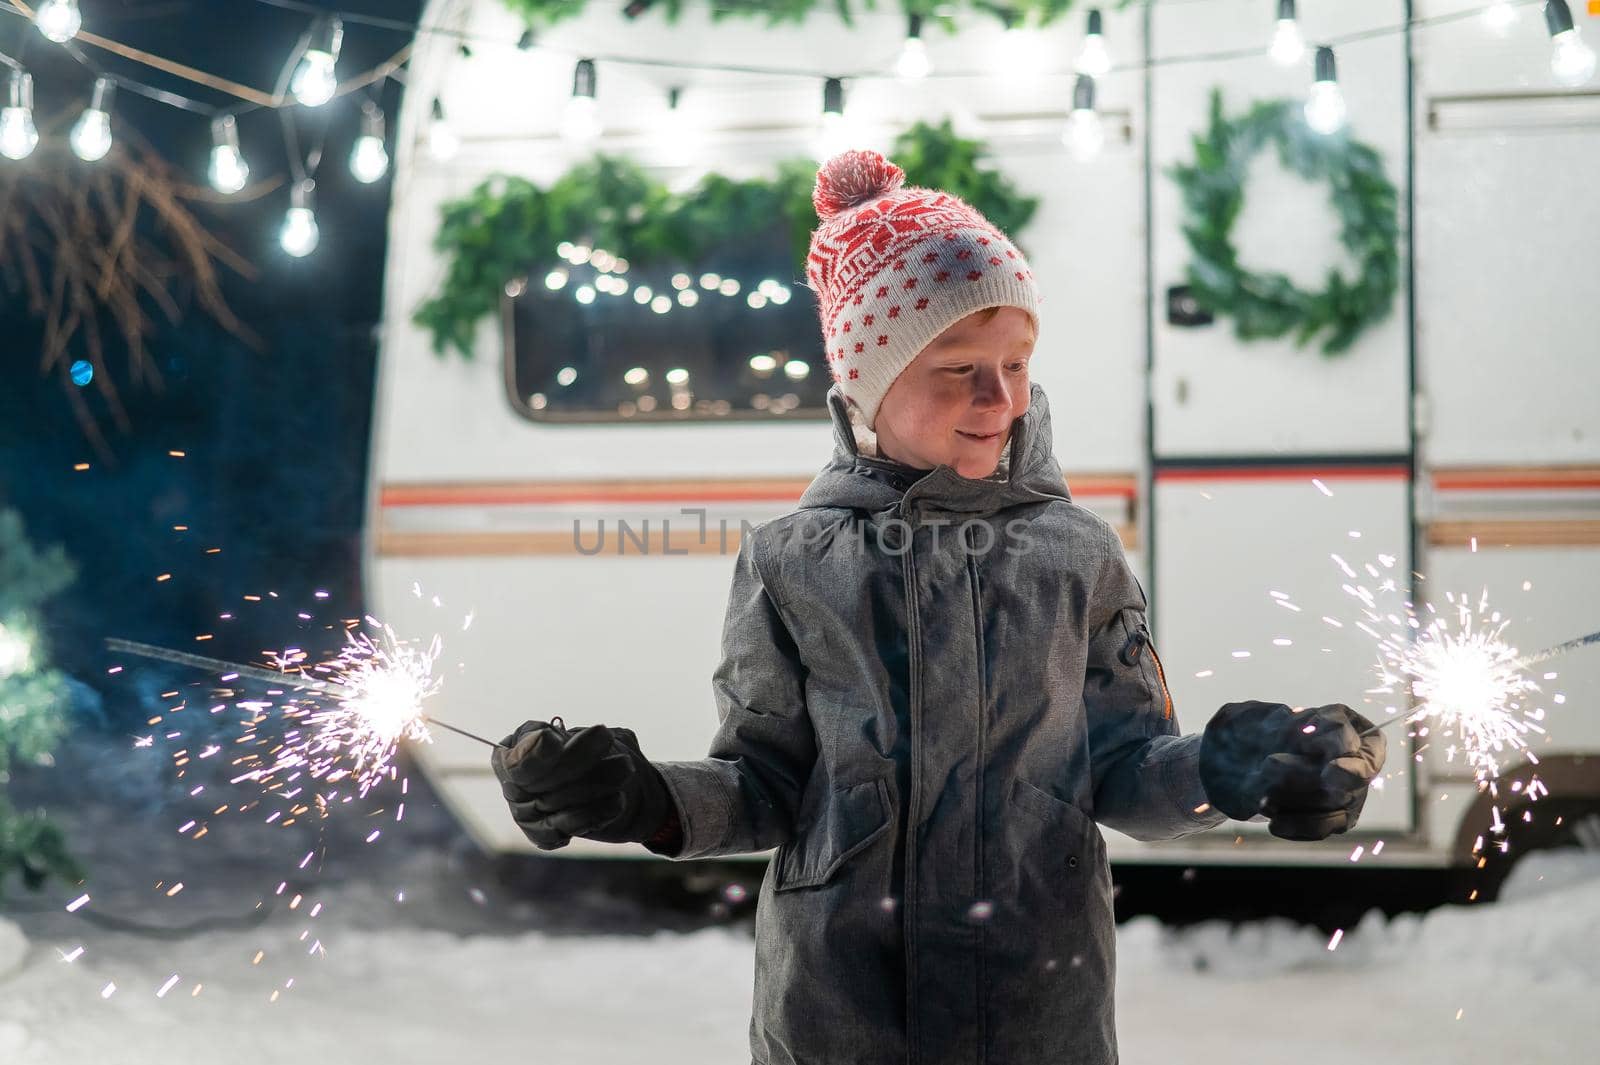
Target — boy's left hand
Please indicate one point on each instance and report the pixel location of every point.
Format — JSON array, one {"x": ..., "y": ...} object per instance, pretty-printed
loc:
[{"x": 1307, "y": 770}]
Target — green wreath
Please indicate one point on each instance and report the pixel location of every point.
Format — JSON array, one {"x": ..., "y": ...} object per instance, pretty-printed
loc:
[
  {"x": 507, "y": 225},
  {"x": 1269, "y": 304}
]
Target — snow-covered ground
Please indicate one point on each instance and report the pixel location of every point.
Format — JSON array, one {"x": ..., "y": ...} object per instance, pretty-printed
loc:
[
  {"x": 466, "y": 969},
  {"x": 1522, "y": 974}
]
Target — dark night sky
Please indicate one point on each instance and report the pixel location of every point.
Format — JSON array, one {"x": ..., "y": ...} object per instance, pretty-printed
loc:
[{"x": 276, "y": 439}]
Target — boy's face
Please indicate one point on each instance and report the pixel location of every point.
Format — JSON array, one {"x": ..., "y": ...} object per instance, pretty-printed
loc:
[{"x": 956, "y": 401}]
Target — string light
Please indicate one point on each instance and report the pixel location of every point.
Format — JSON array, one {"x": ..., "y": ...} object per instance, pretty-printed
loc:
[
  {"x": 834, "y": 136},
  {"x": 314, "y": 81},
  {"x": 580, "y": 122},
  {"x": 1572, "y": 61},
  {"x": 369, "y": 160},
  {"x": 1500, "y": 17},
  {"x": 1288, "y": 47},
  {"x": 1025, "y": 50},
  {"x": 91, "y": 134},
  {"x": 442, "y": 140},
  {"x": 1084, "y": 133},
  {"x": 1094, "y": 60},
  {"x": 228, "y": 171},
  {"x": 59, "y": 20},
  {"x": 1325, "y": 110},
  {"x": 18, "y": 135},
  {"x": 677, "y": 136},
  {"x": 913, "y": 63},
  {"x": 299, "y": 233}
]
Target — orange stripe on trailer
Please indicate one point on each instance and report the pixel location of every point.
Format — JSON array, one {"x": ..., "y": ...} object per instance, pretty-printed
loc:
[
  {"x": 1286, "y": 473},
  {"x": 1575, "y": 478},
  {"x": 751, "y": 491}
]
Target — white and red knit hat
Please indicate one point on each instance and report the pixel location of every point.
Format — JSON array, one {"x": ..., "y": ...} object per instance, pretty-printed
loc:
[{"x": 893, "y": 267}]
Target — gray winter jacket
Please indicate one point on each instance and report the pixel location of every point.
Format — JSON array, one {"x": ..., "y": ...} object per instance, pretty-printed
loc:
[{"x": 931, "y": 689}]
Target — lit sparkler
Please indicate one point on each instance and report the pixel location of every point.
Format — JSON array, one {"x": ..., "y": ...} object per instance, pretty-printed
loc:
[{"x": 378, "y": 689}]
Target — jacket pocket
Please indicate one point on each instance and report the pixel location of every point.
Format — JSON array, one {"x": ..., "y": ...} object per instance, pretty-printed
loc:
[
  {"x": 853, "y": 817},
  {"x": 1053, "y": 811}
]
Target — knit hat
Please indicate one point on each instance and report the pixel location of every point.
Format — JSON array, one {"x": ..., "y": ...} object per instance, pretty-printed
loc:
[{"x": 893, "y": 267}]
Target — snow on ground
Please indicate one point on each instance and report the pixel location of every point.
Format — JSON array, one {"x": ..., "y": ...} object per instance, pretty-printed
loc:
[
  {"x": 1522, "y": 972},
  {"x": 467, "y": 968}
]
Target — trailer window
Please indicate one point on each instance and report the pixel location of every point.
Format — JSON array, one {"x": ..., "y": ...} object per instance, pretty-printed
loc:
[{"x": 608, "y": 340}]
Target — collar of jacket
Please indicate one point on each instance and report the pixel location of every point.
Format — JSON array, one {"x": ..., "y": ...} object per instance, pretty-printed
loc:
[{"x": 851, "y": 479}]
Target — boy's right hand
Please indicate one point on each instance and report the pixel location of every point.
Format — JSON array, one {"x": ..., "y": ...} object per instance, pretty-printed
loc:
[
  {"x": 593, "y": 782},
  {"x": 558, "y": 783}
]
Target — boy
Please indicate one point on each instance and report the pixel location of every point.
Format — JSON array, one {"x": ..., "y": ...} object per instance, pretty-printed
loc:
[{"x": 936, "y": 678}]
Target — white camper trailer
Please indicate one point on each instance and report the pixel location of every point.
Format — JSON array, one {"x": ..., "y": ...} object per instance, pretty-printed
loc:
[{"x": 1458, "y": 439}]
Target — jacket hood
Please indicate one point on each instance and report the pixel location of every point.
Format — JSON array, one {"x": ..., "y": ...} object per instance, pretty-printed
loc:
[{"x": 874, "y": 483}]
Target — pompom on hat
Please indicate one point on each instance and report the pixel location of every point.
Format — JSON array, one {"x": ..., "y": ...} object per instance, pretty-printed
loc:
[{"x": 893, "y": 266}]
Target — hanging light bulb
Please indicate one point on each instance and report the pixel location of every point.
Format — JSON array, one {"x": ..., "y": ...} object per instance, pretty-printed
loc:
[
  {"x": 59, "y": 20},
  {"x": 677, "y": 136},
  {"x": 228, "y": 172},
  {"x": 834, "y": 135},
  {"x": 1572, "y": 61},
  {"x": 442, "y": 140},
  {"x": 1094, "y": 60},
  {"x": 913, "y": 62},
  {"x": 299, "y": 233},
  {"x": 1325, "y": 110},
  {"x": 91, "y": 134},
  {"x": 1025, "y": 50},
  {"x": 1500, "y": 17},
  {"x": 1084, "y": 133},
  {"x": 369, "y": 160},
  {"x": 581, "y": 122},
  {"x": 314, "y": 82},
  {"x": 1288, "y": 47},
  {"x": 18, "y": 135}
]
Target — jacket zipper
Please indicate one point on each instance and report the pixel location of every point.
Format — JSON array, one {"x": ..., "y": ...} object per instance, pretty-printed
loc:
[
  {"x": 983, "y": 702},
  {"x": 914, "y": 658}
]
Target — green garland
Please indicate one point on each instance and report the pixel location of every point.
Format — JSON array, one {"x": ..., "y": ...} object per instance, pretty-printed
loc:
[
  {"x": 543, "y": 13},
  {"x": 1269, "y": 304},
  {"x": 507, "y": 226}
]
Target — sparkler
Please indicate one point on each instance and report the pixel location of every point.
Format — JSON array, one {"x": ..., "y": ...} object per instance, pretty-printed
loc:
[
  {"x": 1471, "y": 680},
  {"x": 379, "y": 688}
]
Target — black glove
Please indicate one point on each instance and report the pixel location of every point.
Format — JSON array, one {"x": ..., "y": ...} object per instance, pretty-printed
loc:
[
  {"x": 1307, "y": 771},
  {"x": 593, "y": 782}
]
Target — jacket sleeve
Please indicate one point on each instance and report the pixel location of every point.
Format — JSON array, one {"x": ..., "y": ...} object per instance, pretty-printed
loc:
[
  {"x": 1146, "y": 775},
  {"x": 742, "y": 797}
]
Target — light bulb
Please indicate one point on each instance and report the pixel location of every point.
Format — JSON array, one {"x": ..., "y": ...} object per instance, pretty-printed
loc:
[
  {"x": 18, "y": 135},
  {"x": 59, "y": 20},
  {"x": 678, "y": 136},
  {"x": 1025, "y": 50},
  {"x": 1571, "y": 60},
  {"x": 369, "y": 160},
  {"x": 580, "y": 122},
  {"x": 1325, "y": 110},
  {"x": 1500, "y": 17},
  {"x": 314, "y": 81},
  {"x": 299, "y": 233},
  {"x": 91, "y": 134},
  {"x": 1084, "y": 134},
  {"x": 228, "y": 171},
  {"x": 1093, "y": 59},
  {"x": 442, "y": 140},
  {"x": 835, "y": 134},
  {"x": 913, "y": 62},
  {"x": 1288, "y": 47}
]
